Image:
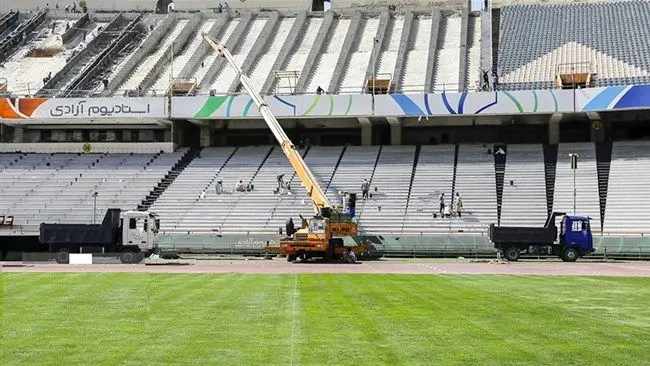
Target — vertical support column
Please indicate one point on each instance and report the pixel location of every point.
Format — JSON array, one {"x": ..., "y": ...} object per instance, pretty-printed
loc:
[
  {"x": 366, "y": 131},
  {"x": 18, "y": 135},
  {"x": 554, "y": 129},
  {"x": 395, "y": 131},
  {"x": 500, "y": 156},
  {"x": 206, "y": 134},
  {"x": 550, "y": 170},
  {"x": 603, "y": 165},
  {"x": 598, "y": 127}
]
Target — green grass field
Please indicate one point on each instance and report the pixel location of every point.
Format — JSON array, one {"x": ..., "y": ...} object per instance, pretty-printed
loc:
[{"x": 236, "y": 319}]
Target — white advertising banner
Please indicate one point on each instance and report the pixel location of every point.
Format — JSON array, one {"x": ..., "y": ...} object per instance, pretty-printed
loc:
[{"x": 67, "y": 108}]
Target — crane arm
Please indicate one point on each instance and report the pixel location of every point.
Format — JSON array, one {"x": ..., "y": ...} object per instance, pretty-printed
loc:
[{"x": 308, "y": 180}]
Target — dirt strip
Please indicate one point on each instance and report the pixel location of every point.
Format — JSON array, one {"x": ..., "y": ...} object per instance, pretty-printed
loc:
[{"x": 584, "y": 268}]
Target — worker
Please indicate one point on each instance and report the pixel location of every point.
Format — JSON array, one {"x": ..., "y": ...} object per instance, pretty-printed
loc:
[
  {"x": 447, "y": 212},
  {"x": 458, "y": 205},
  {"x": 280, "y": 179},
  {"x": 319, "y": 90},
  {"x": 365, "y": 187},
  {"x": 290, "y": 227},
  {"x": 219, "y": 8},
  {"x": 240, "y": 186},
  {"x": 486, "y": 81},
  {"x": 303, "y": 222},
  {"x": 219, "y": 187},
  {"x": 349, "y": 256},
  {"x": 171, "y": 7},
  {"x": 287, "y": 189},
  {"x": 441, "y": 201}
]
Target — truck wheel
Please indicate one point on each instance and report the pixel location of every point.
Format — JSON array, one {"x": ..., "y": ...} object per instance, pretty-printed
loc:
[
  {"x": 570, "y": 255},
  {"x": 512, "y": 254},
  {"x": 291, "y": 258},
  {"x": 129, "y": 257},
  {"x": 62, "y": 256}
]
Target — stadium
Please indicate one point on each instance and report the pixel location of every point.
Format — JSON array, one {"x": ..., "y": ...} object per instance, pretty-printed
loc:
[{"x": 443, "y": 135}]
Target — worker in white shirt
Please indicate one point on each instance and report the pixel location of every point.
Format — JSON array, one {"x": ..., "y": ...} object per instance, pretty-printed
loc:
[
  {"x": 240, "y": 186},
  {"x": 458, "y": 205}
]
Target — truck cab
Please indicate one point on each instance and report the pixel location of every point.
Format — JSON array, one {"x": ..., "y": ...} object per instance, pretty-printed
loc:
[
  {"x": 140, "y": 228},
  {"x": 576, "y": 233}
]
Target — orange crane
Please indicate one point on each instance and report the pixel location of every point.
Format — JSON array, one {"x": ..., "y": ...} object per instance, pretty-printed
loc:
[{"x": 321, "y": 235}]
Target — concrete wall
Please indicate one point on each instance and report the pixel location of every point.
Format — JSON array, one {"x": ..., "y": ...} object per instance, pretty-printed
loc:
[{"x": 97, "y": 147}]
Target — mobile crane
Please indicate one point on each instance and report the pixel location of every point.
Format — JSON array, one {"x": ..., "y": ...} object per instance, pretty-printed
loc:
[{"x": 322, "y": 235}]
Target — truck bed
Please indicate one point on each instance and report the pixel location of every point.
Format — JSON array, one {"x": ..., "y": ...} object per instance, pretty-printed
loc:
[
  {"x": 522, "y": 235},
  {"x": 83, "y": 234},
  {"x": 74, "y": 234}
]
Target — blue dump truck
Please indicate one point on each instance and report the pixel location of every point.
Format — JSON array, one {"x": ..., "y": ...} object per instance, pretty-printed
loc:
[{"x": 574, "y": 241}]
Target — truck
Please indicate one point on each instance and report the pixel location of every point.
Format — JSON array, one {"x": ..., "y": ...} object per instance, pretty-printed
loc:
[
  {"x": 574, "y": 239},
  {"x": 129, "y": 235},
  {"x": 322, "y": 235}
]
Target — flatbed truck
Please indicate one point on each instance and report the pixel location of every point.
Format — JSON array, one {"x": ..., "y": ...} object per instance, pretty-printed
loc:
[{"x": 574, "y": 239}]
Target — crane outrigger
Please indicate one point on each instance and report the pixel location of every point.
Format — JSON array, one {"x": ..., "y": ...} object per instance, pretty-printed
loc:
[{"x": 322, "y": 235}]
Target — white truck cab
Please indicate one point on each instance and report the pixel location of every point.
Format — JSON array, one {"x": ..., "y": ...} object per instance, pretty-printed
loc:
[{"x": 140, "y": 228}]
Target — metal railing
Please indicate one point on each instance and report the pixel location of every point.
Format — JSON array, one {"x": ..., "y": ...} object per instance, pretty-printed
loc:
[{"x": 30, "y": 90}]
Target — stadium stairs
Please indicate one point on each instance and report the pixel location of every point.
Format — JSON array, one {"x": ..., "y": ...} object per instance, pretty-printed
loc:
[
  {"x": 372, "y": 175},
  {"x": 13, "y": 42},
  {"x": 80, "y": 63},
  {"x": 324, "y": 163},
  {"x": 169, "y": 178},
  {"x": 496, "y": 21},
  {"x": 7, "y": 21},
  {"x": 291, "y": 183},
  {"x": 107, "y": 59},
  {"x": 228, "y": 216},
  {"x": 217, "y": 64}
]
